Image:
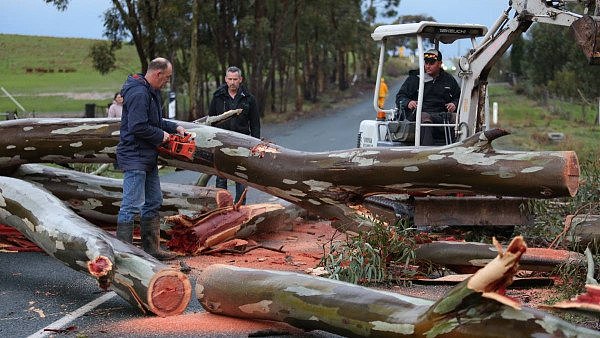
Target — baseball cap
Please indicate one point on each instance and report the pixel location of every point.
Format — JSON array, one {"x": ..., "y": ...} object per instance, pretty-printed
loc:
[{"x": 433, "y": 55}]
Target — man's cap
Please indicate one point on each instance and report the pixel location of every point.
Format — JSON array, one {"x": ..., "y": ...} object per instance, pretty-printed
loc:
[{"x": 433, "y": 54}]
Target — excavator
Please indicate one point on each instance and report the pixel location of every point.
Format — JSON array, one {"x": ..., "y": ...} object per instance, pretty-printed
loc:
[{"x": 389, "y": 129}]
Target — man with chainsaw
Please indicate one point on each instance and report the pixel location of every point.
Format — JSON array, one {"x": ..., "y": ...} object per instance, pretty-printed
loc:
[
  {"x": 233, "y": 95},
  {"x": 142, "y": 131},
  {"x": 440, "y": 95}
]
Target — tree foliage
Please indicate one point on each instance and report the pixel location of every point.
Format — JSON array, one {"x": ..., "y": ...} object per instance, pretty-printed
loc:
[
  {"x": 289, "y": 51},
  {"x": 103, "y": 57},
  {"x": 550, "y": 61}
]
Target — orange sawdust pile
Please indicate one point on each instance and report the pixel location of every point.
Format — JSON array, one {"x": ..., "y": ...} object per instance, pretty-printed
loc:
[
  {"x": 204, "y": 324},
  {"x": 302, "y": 248}
]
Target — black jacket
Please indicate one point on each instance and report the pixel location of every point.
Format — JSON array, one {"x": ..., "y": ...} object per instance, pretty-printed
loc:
[
  {"x": 248, "y": 122},
  {"x": 436, "y": 93}
]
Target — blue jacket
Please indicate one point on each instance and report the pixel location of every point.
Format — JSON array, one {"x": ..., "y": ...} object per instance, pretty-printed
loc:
[{"x": 142, "y": 125}]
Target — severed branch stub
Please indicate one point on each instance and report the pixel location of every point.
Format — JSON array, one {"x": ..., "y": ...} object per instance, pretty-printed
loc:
[
  {"x": 134, "y": 275},
  {"x": 476, "y": 307},
  {"x": 332, "y": 184}
]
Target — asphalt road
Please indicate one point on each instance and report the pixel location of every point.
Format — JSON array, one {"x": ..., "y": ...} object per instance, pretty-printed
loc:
[{"x": 38, "y": 291}]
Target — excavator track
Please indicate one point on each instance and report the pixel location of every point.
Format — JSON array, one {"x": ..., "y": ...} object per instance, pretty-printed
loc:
[{"x": 437, "y": 211}]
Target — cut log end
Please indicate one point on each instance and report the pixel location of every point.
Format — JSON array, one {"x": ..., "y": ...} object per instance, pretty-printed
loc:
[
  {"x": 169, "y": 293},
  {"x": 224, "y": 199},
  {"x": 572, "y": 172},
  {"x": 99, "y": 266}
]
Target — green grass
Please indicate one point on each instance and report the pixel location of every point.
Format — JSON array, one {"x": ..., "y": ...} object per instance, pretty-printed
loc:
[
  {"x": 69, "y": 81},
  {"x": 530, "y": 121}
]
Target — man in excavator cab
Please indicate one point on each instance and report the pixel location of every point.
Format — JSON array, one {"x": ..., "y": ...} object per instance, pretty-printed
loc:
[{"x": 440, "y": 99}]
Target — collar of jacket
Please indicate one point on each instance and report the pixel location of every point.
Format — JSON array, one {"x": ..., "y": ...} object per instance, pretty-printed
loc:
[{"x": 222, "y": 91}]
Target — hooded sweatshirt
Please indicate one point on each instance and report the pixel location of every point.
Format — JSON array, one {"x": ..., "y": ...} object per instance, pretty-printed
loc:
[{"x": 142, "y": 125}]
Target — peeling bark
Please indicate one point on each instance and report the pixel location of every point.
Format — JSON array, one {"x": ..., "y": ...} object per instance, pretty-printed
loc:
[
  {"x": 98, "y": 198},
  {"x": 134, "y": 275},
  {"x": 468, "y": 257},
  {"x": 194, "y": 235},
  {"x": 330, "y": 184},
  {"x": 474, "y": 308}
]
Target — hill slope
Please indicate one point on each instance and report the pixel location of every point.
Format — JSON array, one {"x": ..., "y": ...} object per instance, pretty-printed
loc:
[{"x": 46, "y": 74}]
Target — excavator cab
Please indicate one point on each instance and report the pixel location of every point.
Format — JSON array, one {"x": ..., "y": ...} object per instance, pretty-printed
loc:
[{"x": 391, "y": 128}]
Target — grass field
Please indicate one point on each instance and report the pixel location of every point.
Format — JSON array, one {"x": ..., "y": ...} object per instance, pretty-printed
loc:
[
  {"x": 530, "y": 121},
  {"x": 46, "y": 74}
]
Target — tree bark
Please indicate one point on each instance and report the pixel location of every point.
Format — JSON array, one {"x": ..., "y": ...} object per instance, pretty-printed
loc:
[
  {"x": 330, "y": 184},
  {"x": 474, "y": 308},
  {"x": 98, "y": 198},
  {"x": 137, "y": 277}
]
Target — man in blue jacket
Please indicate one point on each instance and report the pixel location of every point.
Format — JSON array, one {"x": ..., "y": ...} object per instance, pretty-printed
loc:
[
  {"x": 142, "y": 131},
  {"x": 233, "y": 95}
]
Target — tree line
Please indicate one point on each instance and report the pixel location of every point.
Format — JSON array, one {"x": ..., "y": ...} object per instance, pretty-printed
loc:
[{"x": 291, "y": 51}]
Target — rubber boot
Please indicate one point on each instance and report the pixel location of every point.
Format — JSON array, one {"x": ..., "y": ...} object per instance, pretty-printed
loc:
[
  {"x": 125, "y": 232},
  {"x": 150, "y": 233}
]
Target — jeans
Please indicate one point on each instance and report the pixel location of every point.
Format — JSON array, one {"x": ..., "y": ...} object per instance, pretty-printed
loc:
[
  {"x": 239, "y": 188},
  {"x": 141, "y": 195}
]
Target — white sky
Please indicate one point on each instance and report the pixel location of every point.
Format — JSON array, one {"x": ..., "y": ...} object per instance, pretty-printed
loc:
[{"x": 84, "y": 18}]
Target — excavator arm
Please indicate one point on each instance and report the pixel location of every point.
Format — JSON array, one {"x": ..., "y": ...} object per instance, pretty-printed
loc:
[{"x": 475, "y": 67}]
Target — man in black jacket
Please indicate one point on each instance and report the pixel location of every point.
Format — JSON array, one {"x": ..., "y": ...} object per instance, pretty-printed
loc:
[
  {"x": 440, "y": 94},
  {"x": 232, "y": 95}
]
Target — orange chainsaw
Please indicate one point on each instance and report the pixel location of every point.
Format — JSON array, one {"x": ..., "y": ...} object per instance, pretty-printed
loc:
[{"x": 178, "y": 145}]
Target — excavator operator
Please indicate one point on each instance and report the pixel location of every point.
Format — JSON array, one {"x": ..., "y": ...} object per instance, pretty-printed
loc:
[{"x": 440, "y": 97}]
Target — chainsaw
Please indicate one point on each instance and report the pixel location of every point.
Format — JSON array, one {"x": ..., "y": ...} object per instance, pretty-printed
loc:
[{"x": 177, "y": 146}]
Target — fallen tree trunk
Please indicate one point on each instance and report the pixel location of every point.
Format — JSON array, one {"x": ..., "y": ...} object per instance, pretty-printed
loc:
[
  {"x": 134, "y": 275},
  {"x": 330, "y": 184},
  {"x": 584, "y": 230},
  {"x": 194, "y": 235},
  {"x": 474, "y": 308},
  {"x": 468, "y": 257},
  {"x": 98, "y": 198}
]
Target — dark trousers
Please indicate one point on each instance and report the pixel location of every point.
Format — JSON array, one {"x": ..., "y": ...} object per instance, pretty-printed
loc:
[{"x": 239, "y": 188}]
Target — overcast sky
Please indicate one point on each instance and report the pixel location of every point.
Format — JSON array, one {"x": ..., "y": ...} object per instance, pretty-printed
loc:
[{"x": 84, "y": 18}]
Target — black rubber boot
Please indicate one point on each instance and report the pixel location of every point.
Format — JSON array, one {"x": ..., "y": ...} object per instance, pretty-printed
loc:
[
  {"x": 150, "y": 233},
  {"x": 125, "y": 232}
]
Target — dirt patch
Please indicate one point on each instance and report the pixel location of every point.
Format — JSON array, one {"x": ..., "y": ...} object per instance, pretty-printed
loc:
[{"x": 82, "y": 96}]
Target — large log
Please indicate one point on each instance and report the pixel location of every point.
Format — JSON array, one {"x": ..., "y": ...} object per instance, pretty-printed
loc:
[
  {"x": 330, "y": 184},
  {"x": 474, "y": 308},
  {"x": 134, "y": 275},
  {"x": 468, "y": 257},
  {"x": 98, "y": 198}
]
